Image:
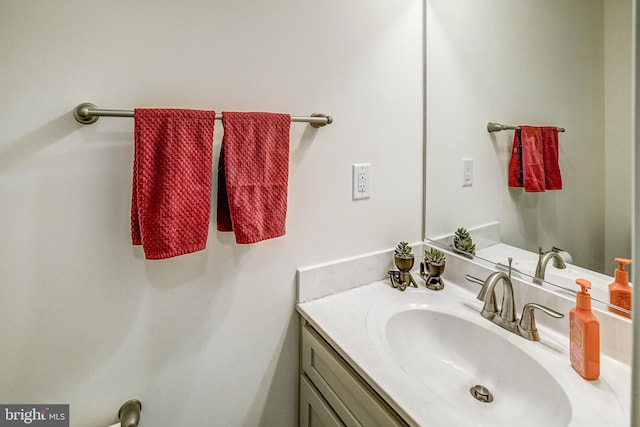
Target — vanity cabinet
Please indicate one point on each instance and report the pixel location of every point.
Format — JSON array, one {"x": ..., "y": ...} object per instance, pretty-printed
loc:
[
  {"x": 332, "y": 393},
  {"x": 314, "y": 410}
]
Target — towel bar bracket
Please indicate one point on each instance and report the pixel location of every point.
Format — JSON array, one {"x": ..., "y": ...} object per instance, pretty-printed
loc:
[
  {"x": 321, "y": 124},
  {"x": 129, "y": 413},
  {"x": 496, "y": 127},
  {"x": 81, "y": 113}
]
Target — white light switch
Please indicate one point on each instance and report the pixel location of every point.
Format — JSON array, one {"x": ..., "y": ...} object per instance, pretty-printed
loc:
[{"x": 467, "y": 172}]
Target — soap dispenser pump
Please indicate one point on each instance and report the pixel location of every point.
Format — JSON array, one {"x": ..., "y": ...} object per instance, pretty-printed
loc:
[
  {"x": 584, "y": 335},
  {"x": 619, "y": 290}
]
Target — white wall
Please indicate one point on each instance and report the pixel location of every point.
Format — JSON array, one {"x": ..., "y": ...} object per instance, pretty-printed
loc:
[
  {"x": 208, "y": 338},
  {"x": 516, "y": 63}
]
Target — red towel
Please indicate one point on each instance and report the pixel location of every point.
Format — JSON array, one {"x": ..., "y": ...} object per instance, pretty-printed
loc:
[
  {"x": 515, "y": 165},
  {"x": 171, "y": 197},
  {"x": 527, "y": 160},
  {"x": 253, "y": 175},
  {"x": 552, "y": 176}
]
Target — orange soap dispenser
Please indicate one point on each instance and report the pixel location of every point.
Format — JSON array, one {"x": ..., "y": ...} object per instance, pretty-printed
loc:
[
  {"x": 619, "y": 290},
  {"x": 584, "y": 335}
]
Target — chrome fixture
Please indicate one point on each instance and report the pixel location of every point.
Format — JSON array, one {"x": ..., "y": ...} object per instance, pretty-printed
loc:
[
  {"x": 528, "y": 321},
  {"x": 506, "y": 317},
  {"x": 481, "y": 393},
  {"x": 543, "y": 260},
  {"x": 87, "y": 113},
  {"x": 496, "y": 127},
  {"x": 129, "y": 413},
  {"x": 487, "y": 294}
]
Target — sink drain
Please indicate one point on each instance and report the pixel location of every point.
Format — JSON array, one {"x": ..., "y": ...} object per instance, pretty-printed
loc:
[{"x": 481, "y": 393}]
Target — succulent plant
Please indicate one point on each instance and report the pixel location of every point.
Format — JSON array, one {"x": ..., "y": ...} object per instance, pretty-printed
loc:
[
  {"x": 434, "y": 256},
  {"x": 403, "y": 250},
  {"x": 460, "y": 235},
  {"x": 467, "y": 247},
  {"x": 462, "y": 242}
]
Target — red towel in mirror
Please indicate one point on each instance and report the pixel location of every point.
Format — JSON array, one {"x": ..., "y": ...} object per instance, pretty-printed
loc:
[
  {"x": 172, "y": 168},
  {"x": 552, "y": 175},
  {"x": 526, "y": 168},
  {"x": 253, "y": 175}
]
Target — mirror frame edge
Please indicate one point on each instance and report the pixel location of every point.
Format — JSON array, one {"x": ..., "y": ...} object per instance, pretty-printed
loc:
[
  {"x": 424, "y": 122},
  {"x": 635, "y": 357}
]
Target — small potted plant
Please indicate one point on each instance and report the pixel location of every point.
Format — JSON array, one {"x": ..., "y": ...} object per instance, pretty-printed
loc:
[
  {"x": 460, "y": 235},
  {"x": 403, "y": 256},
  {"x": 404, "y": 259},
  {"x": 466, "y": 248},
  {"x": 463, "y": 244},
  {"x": 435, "y": 257},
  {"x": 432, "y": 268}
]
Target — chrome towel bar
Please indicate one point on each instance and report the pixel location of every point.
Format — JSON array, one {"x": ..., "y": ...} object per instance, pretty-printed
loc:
[
  {"x": 495, "y": 127},
  {"x": 87, "y": 113}
]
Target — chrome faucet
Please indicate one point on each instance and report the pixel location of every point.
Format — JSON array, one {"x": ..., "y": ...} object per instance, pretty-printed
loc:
[
  {"x": 543, "y": 260},
  {"x": 506, "y": 317},
  {"x": 488, "y": 296}
]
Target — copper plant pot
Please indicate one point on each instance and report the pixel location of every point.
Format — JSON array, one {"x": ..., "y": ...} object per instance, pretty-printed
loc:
[
  {"x": 433, "y": 279},
  {"x": 404, "y": 264},
  {"x": 403, "y": 278},
  {"x": 435, "y": 269}
]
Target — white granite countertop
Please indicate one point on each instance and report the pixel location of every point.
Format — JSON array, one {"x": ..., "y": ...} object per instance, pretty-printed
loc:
[{"x": 353, "y": 322}]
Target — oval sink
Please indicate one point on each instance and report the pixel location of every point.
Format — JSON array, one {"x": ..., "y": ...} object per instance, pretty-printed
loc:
[
  {"x": 423, "y": 351},
  {"x": 449, "y": 355}
]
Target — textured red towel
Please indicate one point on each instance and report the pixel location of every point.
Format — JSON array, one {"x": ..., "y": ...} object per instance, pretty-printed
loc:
[
  {"x": 515, "y": 165},
  {"x": 527, "y": 160},
  {"x": 172, "y": 166},
  {"x": 253, "y": 175},
  {"x": 552, "y": 175}
]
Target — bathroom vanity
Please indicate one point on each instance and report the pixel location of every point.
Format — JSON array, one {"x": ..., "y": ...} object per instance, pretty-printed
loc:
[
  {"x": 372, "y": 355},
  {"x": 332, "y": 391}
]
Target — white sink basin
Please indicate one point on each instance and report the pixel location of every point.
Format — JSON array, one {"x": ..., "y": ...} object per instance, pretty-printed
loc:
[
  {"x": 422, "y": 351},
  {"x": 449, "y": 355}
]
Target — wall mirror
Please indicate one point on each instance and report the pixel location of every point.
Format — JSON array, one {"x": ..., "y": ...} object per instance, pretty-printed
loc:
[{"x": 540, "y": 62}]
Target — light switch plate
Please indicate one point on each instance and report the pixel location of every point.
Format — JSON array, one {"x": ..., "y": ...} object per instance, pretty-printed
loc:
[{"x": 467, "y": 172}]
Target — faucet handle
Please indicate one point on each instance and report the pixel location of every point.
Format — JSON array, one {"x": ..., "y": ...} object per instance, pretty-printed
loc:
[
  {"x": 558, "y": 262},
  {"x": 492, "y": 304},
  {"x": 474, "y": 279},
  {"x": 528, "y": 320}
]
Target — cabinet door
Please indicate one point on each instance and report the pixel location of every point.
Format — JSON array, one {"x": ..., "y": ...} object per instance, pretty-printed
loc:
[
  {"x": 314, "y": 410},
  {"x": 350, "y": 397}
]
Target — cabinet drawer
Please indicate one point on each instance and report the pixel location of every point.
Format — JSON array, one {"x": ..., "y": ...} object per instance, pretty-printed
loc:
[
  {"x": 314, "y": 410},
  {"x": 353, "y": 400}
]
